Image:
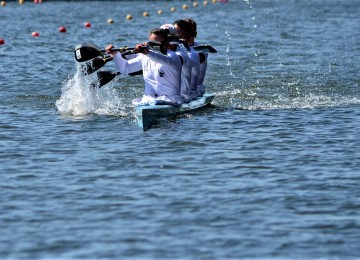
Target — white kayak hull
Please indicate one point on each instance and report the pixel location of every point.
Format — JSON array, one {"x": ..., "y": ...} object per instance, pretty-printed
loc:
[{"x": 148, "y": 115}]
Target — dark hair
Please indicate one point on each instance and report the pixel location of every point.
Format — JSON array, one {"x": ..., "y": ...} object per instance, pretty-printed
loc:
[
  {"x": 185, "y": 26},
  {"x": 193, "y": 26},
  {"x": 160, "y": 32}
]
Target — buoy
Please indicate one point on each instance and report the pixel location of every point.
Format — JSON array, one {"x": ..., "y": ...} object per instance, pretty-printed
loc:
[
  {"x": 21, "y": 2},
  {"x": 62, "y": 29},
  {"x": 172, "y": 9},
  {"x": 35, "y": 34},
  {"x": 36, "y": 1},
  {"x": 146, "y": 14},
  {"x": 3, "y": 3},
  {"x": 184, "y": 7},
  {"x": 110, "y": 21},
  {"x": 129, "y": 17},
  {"x": 159, "y": 12},
  {"x": 205, "y": 2},
  {"x": 214, "y": 1},
  {"x": 195, "y": 4},
  {"x": 87, "y": 25},
  {"x": 2, "y": 41}
]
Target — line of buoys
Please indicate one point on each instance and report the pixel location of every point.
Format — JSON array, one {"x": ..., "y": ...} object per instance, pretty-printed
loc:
[
  {"x": 21, "y": 2},
  {"x": 62, "y": 29}
]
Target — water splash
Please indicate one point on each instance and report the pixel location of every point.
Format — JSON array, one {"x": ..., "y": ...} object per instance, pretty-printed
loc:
[
  {"x": 254, "y": 99},
  {"x": 78, "y": 99}
]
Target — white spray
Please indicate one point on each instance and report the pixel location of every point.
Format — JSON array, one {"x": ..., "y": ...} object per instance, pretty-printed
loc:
[{"x": 78, "y": 99}]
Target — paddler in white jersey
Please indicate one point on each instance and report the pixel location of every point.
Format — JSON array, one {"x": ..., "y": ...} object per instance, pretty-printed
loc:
[
  {"x": 189, "y": 33},
  {"x": 161, "y": 71},
  {"x": 187, "y": 64},
  {"x": 182, "y": 28}
]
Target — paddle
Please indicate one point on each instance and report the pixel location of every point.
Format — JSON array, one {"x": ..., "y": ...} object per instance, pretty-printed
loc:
[
  {"x": 88, "y": 51},
  {"x": 95, "y": 64},
  {"x": 205, "y": 48},
  {"x": 104, "y": 77}
]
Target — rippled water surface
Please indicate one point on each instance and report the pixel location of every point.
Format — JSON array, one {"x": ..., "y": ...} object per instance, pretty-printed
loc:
[{"x": 271, "y": 170}]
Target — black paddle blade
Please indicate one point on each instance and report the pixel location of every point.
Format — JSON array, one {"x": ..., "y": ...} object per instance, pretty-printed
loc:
[
  {"x": 95, "y": 64},
  {"x": 136, "y": 73},
  {"x": 205, "y": 48},
  {"x": 86, "y": 51},
  {"x": 104, "y": 77}
]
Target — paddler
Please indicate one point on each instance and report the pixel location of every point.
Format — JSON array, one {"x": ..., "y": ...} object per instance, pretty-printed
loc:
[
  {"x": 182, "y": 27},
  {"x": 187, "y": 29},
  {"x": 187, "y": 63},
  {"x": 161, "y": 70}
]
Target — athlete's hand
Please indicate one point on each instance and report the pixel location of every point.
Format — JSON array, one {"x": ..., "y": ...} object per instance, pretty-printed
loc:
[
  {"x": 109, "y": 48},
  {"x": 142, "y": 48}
]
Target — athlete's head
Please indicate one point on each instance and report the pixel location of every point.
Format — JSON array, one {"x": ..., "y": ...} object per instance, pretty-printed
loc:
[{"x": 159, "y": 35}]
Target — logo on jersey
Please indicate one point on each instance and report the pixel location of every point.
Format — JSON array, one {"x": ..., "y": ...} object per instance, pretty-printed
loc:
[{"x": 161, "y": 73}]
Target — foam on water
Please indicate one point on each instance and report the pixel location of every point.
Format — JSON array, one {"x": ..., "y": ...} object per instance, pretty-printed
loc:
[{"x": 78, "y": 99}]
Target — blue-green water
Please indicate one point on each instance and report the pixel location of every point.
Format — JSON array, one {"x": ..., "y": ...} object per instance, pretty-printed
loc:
[{"x": 271, "y": 171}]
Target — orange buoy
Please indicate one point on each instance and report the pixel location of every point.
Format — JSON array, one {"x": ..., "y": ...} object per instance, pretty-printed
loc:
[
  {"x": 36, "y": 1},
  {"x": 35, "y": 34},
  {"x": 21, "y": 2},
  {"x": 62, "y": 29},
  {"x": 146, "y": 14},
  {"x": 2, "y": 41},
  {"x": 87, "y": 25},
  {"x": 184, "y": 7}
]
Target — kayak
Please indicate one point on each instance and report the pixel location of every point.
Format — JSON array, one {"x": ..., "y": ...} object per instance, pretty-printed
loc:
[{"x": 148, "y": 115}]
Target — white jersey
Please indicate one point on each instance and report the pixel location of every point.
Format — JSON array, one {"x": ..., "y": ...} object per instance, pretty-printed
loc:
[
  {"x": 185, "y": 73},
  {"x": 201, "y": 77},
  {"x": 195, "y": 70},
  {"x": 162, "y": 75}
]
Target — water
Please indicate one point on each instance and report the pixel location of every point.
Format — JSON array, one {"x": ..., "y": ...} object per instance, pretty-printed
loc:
[{"x": 271, "y": 171}]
